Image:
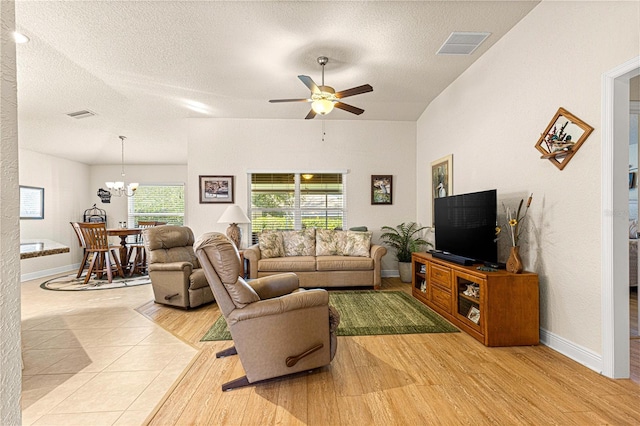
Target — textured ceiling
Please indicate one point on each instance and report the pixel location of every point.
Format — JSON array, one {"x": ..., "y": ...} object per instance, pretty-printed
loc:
[{"x": 144, "y": 67}]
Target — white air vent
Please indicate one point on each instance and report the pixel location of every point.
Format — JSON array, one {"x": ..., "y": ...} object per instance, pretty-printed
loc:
[
  {"x": 461, "y": 43},
  {"x": 81, "y": 114}
]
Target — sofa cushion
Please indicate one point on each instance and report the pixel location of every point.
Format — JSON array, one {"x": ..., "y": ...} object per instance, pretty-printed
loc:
[
  {"x": 330, "y": 242},
  {"x": 288, "y": 264},
  {"x": 299, "y": 243},
  {"x": 344, "y": 263},
  {"x": 271, "y": 244},
  {"x": 358, "y": 244}
]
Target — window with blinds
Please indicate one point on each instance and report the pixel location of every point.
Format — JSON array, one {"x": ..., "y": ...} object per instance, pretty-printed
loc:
[
  {"x": 296, "y": 201},
  {"x": 162, "y": 203}
]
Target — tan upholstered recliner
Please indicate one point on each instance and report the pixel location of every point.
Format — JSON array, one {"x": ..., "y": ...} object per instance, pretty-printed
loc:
[
  {"x": 277, "y": 328},
  {"x": 176, "y": 276}
]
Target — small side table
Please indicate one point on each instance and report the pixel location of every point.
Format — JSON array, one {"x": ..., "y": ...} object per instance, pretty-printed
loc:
[{"x": 245, "y": 265}]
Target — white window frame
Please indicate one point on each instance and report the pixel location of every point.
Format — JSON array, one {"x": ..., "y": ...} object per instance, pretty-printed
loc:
[{"x": 297, "y": 210}]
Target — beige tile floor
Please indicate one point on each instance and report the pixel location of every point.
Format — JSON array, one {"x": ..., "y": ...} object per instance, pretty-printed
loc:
[{"x": 91, "y": 359}]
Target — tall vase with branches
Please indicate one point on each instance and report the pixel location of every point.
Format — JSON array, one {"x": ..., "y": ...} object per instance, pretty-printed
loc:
[{"x": 405, "y": 239}]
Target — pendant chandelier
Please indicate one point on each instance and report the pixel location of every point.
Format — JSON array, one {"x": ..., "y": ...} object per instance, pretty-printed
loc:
[{"x": 119, "y": 188}]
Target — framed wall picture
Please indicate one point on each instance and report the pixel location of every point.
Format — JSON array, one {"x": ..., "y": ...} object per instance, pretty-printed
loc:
[
  {"x": 31, "y": 202},
  {"x": 562, "y": 138},
  {"x": 381, "y": 189},
  {"x": 216, "y": 189},
  {"x": 441, "y": 180}
]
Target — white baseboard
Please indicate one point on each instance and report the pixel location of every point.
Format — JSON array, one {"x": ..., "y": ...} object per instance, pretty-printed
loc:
[
  {"x": 387, "y": 273},
  {"x": 576, "y": 352},
  {"x": 45, "y": 273}
]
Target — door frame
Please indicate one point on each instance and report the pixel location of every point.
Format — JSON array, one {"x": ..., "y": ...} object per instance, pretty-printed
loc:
[{"x": 614, "y": 219}]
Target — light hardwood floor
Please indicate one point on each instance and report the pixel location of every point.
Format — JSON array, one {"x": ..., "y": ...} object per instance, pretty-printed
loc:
[{"x": 394, "y": 380}]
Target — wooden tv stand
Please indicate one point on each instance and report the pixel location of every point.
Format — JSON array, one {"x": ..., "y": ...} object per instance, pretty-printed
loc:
[{"x": 497, "y": 308}]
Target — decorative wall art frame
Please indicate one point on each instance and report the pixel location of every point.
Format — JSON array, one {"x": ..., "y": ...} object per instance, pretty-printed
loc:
[
  {"x": 562, "y": 138},
  {"x": 381, "y": 189},
  {"x": 441, "y": 180},
  {"x": 216, "y": 189},
  {"x": 31, "y": 202}
]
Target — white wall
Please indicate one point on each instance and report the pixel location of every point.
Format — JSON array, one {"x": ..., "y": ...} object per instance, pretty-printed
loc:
[
  {"x": 232, "y": 147},
  {"x": 10, "y": 375},
  {"x": 66, "y": 189},
  {"x": 490, "y": 119}
]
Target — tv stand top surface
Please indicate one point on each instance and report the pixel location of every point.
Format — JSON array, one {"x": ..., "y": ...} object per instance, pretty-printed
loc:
[{"x": 470, "y": 269}]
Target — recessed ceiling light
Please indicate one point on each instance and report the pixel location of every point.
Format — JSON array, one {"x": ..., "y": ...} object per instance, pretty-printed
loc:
[{"x": 20, "y": 38}]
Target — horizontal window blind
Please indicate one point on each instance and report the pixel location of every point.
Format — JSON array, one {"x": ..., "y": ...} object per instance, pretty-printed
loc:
[
  {"x": 162, "y": 203},
  {"x": 296, "y": 201}
]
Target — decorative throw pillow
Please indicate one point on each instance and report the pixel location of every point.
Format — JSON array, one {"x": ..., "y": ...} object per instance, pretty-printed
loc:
[
  {"x": 330, "y": 242},
  {"x": 271, "y": 244},
  {"x": 633, "y": 229},
  {"x": 299, "y": 243},
  {"x": 358, "y": 244}
]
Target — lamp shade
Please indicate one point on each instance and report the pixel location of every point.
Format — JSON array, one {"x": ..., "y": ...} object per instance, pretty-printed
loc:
[{"x": 234, "y": 214}]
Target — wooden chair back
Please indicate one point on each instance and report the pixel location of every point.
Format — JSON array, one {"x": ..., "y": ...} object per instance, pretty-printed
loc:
[
  {"x": 78, "y": 232},
  {"x": 95, "y": 236}
]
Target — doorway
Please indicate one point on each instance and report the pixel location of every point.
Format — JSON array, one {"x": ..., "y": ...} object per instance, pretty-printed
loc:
[
  {"x": 615, "y": 199},
  {"x": 634, "y": 142}
]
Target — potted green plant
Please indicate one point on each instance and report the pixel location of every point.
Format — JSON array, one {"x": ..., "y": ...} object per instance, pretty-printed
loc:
[{"x": 404, "y": 239}]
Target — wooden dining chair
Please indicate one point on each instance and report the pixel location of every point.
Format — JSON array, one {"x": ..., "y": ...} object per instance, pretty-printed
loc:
[
  {"x": 81, "y": 243},
  {"x": 105, "y": 258},
  {"x": 137, "y": 257}
]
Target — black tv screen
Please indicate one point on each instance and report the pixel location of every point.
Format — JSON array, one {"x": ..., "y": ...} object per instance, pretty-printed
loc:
[{"x": 466, "y": 225}]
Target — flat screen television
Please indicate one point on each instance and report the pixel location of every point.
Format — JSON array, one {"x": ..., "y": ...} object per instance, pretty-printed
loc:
[{"x": 465, "y": 225}]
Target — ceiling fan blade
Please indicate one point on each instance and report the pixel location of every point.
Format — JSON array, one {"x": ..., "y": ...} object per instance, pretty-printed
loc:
[
  {"x": 354, "y": 91},
  {"x": 273, "y": 101},
  {"x": 349, "y": 108},
  {"x": 308, "y": 81},
  {"x": 311, "y": 115}
]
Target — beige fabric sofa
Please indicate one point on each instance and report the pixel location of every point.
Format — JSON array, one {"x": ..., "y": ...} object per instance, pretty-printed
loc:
[{"x": 320, "y": 258}]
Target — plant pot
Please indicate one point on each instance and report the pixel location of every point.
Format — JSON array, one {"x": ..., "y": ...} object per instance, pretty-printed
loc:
[{"x": 404, "y": 268}]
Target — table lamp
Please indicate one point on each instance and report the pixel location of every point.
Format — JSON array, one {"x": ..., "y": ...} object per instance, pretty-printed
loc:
[{"x": 234, "y": 215}]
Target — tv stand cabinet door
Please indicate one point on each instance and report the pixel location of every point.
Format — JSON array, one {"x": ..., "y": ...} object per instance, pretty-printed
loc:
[{"x": 469, "y": 307}]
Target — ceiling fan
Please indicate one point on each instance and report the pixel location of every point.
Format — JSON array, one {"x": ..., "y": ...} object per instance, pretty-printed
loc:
[{"x": 324, "y": 98}]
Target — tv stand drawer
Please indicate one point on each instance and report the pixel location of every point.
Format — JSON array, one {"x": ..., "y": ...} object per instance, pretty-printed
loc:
[
  {"x": 440, "y": 275},
  {"x": 441, "y": 298}
]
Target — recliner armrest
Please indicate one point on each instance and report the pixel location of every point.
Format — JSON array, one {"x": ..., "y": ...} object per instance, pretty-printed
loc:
[
  {"x": 279, "y": 305},
  {"x": 275, "y": 285},
  {"x": 173, "y": 266}
]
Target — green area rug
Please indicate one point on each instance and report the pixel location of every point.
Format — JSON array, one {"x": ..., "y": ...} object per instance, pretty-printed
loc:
[
  {"x": 71, "y": 283},
  {"x": 370, "y": 312}
]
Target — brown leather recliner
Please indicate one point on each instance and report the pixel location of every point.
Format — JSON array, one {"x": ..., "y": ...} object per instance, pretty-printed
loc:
[
  {"x": 176, "y": 276},
  {"x": 277, "y": 328}
]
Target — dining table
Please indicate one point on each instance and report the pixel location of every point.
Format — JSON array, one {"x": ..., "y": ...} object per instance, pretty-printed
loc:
[{"x": 123, "y": 233}]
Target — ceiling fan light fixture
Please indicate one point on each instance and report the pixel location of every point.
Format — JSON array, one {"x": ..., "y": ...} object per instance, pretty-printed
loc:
[{"x": 322, "y": 106}]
